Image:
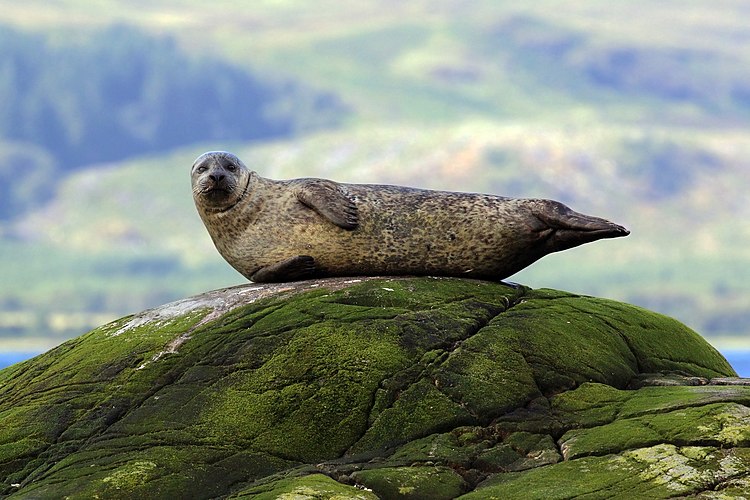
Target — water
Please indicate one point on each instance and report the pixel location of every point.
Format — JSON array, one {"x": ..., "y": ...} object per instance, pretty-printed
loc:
[
  {"x": 738, "y": 358},
  {"x": 13, "y": 357},
  {"x": 740, "y": 361}
]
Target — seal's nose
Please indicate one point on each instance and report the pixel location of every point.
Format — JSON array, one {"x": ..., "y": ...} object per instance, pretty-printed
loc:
[{"x": 216, "y": 177}]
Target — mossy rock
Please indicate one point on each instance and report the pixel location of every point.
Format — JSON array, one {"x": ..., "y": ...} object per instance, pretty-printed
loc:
[{"x": 377, "y": 388}]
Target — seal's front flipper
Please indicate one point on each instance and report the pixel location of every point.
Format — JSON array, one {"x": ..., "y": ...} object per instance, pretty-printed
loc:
[
  {"x": 295, "y": 268},
  {"x": 329, "y": 200}
]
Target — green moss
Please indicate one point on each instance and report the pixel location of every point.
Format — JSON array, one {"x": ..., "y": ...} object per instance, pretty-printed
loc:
[
  {"x": 420, "y": 410},
  {"x": 285, "y": 409},
  {"x": 424, "y": 293},
  {"x": 453, "y": 375},
  {"x": 590, "y": 339},
  {"x": 444, "y": 448},
  {"x": 484, "y": 449},
  {"x": 663, "y": 471},
  {"x": 157, "y": 471},
  {"x": 724, "y": 424},
  {"x": 132, "y": 475},
  {"x": 566, "y": 340},
  {"x": 591, "y": 404},
  {"x": 682, "y": 350},
  {"x": 669, "y": 398},
  {"x": 417, "y": 483},
  {"x": 314, "y": 486},
  {"x": 519, "y": 451},
  {"x": 471, "y": 375}
]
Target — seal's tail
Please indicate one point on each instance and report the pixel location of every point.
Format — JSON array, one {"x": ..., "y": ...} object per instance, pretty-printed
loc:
[{"x": 566, "y": 228}]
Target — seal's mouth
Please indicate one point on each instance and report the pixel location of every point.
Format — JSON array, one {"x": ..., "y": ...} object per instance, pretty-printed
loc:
[
  {"x": 215, "y": 195},
  {"x": 219, "y": 196},
  {"x": 216, "y": 190}
]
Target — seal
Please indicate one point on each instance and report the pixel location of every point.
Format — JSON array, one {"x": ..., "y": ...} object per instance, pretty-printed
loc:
[{"x": 272, "y": 231}]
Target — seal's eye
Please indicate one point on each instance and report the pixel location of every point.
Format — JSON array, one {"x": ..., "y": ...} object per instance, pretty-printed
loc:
[
  {"x": 201, "y": 169},
  {"x": 231, "y": 167}
]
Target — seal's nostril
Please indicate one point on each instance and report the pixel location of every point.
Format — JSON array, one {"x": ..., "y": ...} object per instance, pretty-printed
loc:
[{"x": 217, "y": 177}]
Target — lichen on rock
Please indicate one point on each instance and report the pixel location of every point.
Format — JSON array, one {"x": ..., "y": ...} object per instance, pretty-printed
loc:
[{"x": 376, "y": 388}]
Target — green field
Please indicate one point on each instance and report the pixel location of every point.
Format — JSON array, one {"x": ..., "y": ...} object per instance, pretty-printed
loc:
[{"x": 638, "y": 112}]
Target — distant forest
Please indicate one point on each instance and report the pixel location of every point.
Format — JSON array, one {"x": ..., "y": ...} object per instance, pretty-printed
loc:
[
  {"x": 119, "y": 93},
  {"x": 700, "y": 76}
]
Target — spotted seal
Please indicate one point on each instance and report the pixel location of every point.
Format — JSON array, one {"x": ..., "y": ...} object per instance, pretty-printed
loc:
[{"x": 296, "y": 229}]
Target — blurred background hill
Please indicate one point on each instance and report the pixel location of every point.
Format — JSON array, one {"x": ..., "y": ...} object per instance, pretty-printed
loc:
[{"x": 635, "y": 111}]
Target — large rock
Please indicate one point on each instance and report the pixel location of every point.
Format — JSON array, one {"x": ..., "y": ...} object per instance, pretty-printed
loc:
[{"x": 367, "y": 388}]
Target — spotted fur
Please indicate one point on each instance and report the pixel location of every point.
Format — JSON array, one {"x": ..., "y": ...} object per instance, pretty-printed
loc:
[{"x": 295, "y": 229}]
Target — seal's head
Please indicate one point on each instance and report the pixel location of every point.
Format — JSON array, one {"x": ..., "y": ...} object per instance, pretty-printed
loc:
[{"x": 219, "y": 180}]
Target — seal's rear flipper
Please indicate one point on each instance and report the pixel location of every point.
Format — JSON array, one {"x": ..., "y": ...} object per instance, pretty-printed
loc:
[
  {"x": 293, "y": 269},
  {"x": 566, "y": 228},
  {"x": 327, "y": 198}
]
